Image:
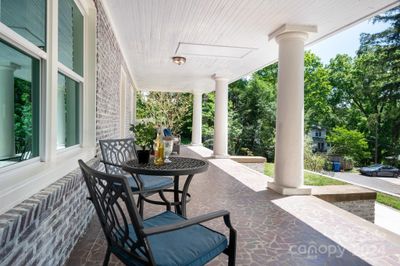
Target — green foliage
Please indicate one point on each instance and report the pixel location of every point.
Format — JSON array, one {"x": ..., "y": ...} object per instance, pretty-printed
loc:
[
  {"x": 366, "y": 89},
  {"x": 316, "y": 91},
  {"x": 313, "y": 161},
  {"x": 22, "y": 110},
  {"x": 144, "y": 132},
  {"x": 350, "y": 143},
  {"x": 208, "y": 116},
  {"x": 167, "y": 109},
  {"x": 252, "y": 127}
]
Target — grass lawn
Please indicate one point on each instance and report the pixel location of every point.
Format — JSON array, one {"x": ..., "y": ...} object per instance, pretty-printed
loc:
[
  {"x": 310, "y": 179},
  {"x": 388, "y": 200}
]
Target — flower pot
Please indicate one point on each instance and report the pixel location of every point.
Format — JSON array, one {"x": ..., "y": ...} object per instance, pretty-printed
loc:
[{"x": 143, "y": 156}]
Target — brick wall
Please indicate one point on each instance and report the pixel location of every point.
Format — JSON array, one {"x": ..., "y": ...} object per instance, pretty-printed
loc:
[
  {"x": 109, "y": 63},
  {"x": 129, "y": 105},
  {"x": 354, "y": 199},
  {"x": 43, "y": 229},
  {"x": 362, "y": 208}
]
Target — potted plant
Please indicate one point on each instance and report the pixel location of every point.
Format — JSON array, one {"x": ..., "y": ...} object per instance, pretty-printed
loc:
[{"x": 144, "y": 134}]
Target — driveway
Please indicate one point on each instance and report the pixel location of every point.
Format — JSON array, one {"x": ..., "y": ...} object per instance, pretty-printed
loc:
[{"x": 388, "y": 185}]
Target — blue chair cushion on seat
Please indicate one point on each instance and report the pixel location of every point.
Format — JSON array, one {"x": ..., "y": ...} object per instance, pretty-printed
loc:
[
  {"x": 151, "y": 182},
  {"x": 194, "y": 245}
]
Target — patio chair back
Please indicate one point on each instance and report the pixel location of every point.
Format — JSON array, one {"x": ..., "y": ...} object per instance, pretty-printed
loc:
[
  {"x": 118, "y": 214},
  {"x": 116, "y": 151}
]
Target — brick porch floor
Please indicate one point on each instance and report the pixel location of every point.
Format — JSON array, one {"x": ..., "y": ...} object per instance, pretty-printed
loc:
[{"x": 272, "y": 229}]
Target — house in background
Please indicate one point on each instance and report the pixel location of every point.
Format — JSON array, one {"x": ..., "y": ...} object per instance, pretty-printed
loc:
[{"x": 318, "y": 136}]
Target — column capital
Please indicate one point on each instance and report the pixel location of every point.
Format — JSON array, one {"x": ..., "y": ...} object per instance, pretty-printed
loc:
[
  {"x": 11, "y": 66},
  {"x": 293, "y": 31},
  {"x": 220, "y": 76},
  {"x": 197, "y": 92}
]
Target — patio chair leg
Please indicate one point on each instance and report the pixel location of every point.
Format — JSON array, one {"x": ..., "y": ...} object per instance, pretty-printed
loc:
[
  {"x": 107, "y": 257},
  {"x": 232, "y": 247}
]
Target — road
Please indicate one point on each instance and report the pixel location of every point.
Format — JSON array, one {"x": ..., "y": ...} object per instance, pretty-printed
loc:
[{"x": 388, "y": 185}]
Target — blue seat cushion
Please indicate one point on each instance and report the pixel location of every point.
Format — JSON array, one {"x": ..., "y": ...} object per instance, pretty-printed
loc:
[
  {"x": 151, "y": 182},
  {"x": 194, "y": 245}
]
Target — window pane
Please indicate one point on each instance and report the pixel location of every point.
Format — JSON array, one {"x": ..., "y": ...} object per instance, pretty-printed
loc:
[
  {"x": 27, "y": 18},
  {"x": 68, "y": 112},
  {"x": 19, "y": 106},
  {"x": 70, "y": 35}
]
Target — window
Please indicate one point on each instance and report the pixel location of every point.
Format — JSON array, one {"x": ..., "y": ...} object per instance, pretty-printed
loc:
[
  {"x": 70, "y": 54},
  {"x": 70, "y": 36},
  {"x": 41, "y": 100},
  {"x": 27, "y": 18},
  {"x": 68, "y": 112},
  {"x": 19, "y": 105},
  {"x": 20, "y": 78}
]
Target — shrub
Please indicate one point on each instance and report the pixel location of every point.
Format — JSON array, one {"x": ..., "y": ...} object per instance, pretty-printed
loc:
[
  {"x": 312, "y": 161},
  {"x": 349, "y": 143}
]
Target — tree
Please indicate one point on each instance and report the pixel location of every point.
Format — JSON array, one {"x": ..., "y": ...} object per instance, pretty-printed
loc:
[
  {"x": 252, "y": 131},
  {"x": 208, "y": 116},
  {"x": 165, "y": 108},
  {"x": 316, "y": 90},
  {"x": 350, "y": 143},
  {"x": 385, "y": 45}
]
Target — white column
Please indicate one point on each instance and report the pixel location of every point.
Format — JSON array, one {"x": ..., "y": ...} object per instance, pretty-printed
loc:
[
  {"x": 197, "y": 118},
  {"x": 7, "y": 139},
  {"x": 221, "y": 118},
  {"x": 289, "y": 146}
]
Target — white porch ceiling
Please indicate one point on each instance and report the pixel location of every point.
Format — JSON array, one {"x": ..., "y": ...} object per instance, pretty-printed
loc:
[{"x": 150, "y": 32}]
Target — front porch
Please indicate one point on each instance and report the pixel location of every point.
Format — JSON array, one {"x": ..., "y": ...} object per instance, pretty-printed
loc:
[
  {"x": 272, "y": 229},
  {"x": 44, "y": 209}
]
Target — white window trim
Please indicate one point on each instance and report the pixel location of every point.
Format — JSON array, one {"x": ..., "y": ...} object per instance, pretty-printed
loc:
[
  {"x": 20, "y": 42},
  {"x": 22, "y": 180},
  {"x": 66, "y": 71}
]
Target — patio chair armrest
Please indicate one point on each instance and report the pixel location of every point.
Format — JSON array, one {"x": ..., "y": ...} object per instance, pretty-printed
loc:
[{"x": 176, "y": 226}]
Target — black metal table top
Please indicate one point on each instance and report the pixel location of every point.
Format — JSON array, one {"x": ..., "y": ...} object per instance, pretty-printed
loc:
[{"x": 178, "y": 166}]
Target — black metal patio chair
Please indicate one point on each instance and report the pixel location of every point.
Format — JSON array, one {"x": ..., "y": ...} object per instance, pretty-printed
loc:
[
  {"x": 114, "y": 152},
  {"x": 164, "y": 239}
]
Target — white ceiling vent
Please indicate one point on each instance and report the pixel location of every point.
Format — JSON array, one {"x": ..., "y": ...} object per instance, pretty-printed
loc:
[{"x": 194, "y": 49}]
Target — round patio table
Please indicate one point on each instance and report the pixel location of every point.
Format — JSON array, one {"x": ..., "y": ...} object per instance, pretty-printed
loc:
[{"x": 179, "y": 166}]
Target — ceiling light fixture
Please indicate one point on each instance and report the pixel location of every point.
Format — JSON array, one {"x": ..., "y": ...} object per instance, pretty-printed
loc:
[{"x": 179, "y": 60}]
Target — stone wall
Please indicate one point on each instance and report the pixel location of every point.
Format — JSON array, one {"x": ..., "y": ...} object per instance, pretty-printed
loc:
[{"x": 43, "y": 229}]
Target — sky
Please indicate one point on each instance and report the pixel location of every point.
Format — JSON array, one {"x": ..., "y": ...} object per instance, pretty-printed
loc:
[{"x": 345, "y": 42}]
